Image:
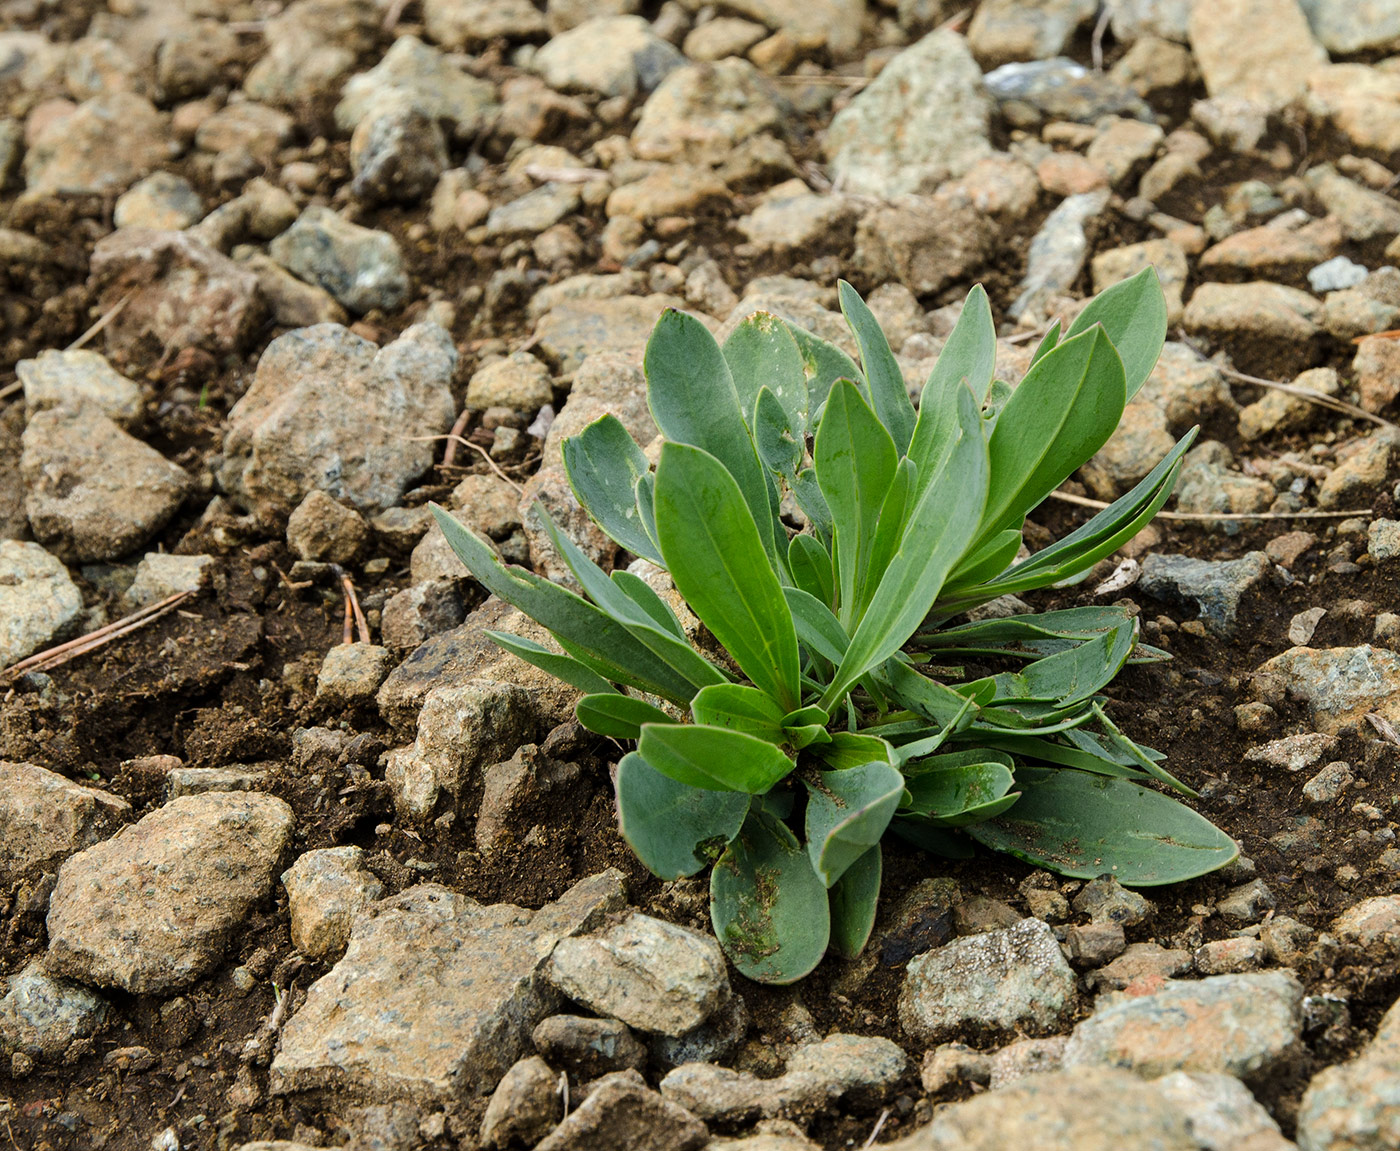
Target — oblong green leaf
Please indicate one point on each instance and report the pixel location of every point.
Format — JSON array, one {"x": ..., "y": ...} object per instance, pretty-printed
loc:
[
  {"x": 674, "y": 829},
  {"x": 957, "y": 795},
  {"x": 1083, "y": 826},
  {"x": 779, "y": 447},
  {"x": 718, "y": 564},
  {"x": 770, "y": 912},
  {"x": 761, "y": 353},
  {"x": 889, "y": 531},
  {"x": 810, "y": 564},
  {"x": 817, "y": 628},
  {"x": 849, "y": 749},
  {"x": 888, "y": 394},
  {"x": 565, "y": 667},
  {"x": 847, "y": 813},
  {"x": 603, "y": 463},
  {"x": 714, "y": 758},
  {"x": 824, "y": 364},
  {"x": 618, "y": 716},
  {"x": 854, "y": 901},
  {"x": 739, "y": 708},
  {"x": 1133, "y": 313},
  {"x": 644, "y": 596}
]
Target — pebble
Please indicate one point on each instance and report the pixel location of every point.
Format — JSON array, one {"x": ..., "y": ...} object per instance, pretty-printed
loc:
[
  {"x": 1372, "y": 926},
  {"x": 1057, "y": 254},
  {"x": 1094, "y": 944},
  {"x": 105, "y": 145},
  {"x": 1211, "y": 482},
  {"x": 574, "y": 330},
  {"x": 1361, "y": 470},
  {"x": 160, "y": 575},
  {"x": 923, "y": 119},
  {"x": 1375, "y": 370},
  {"x": 330, "y": 411},
  {"x": 1230, "y": 956},
  {"x": 791, "y": 217},
  {"x": 1279, "y": 411},
  {"x": 1267, "y": 310},
  {"x": 422, "y": 77},
  {"x": 39, "y": 602},
  {"x": 997, "y": 981},
  {"x": 1293, "y": 752},
  {"x": 1246, "y": 903},
  {"x": 471, "y": 23},
  {"x": 397, "y": 153},
  {"x": 1275, "y": 247},
  {"x": 326, "y": 889},
  {"x": 1329, "y": 783},
  {"x": 1213, "y": 588},
  {"x": 722, "y": 37},
  {"x": 524, "y": 1107},
  {"x": 162, "y": 200},
  {"x": 361, "y": 267},
  {"x": 324, "y": 530},
  {"x": 1360, "y": 102},
  {"x": 45, "y": 817},
  {"x": 612, "y": 56},
  {"x": 1134, "y": 19},
  {"x": 1364, "y": 214},
  {"x": 621, "y": 1111},
  {"x": 1259, "y": 50},
  {"x": 56, "y": 378},
  {"x": 292, "y": 302},
  {"x": 1006, "y": 30},
  {"x": 534, "y": 212},
  {"x": 1249, "y": 1026},
  {"x": 366, "y": 1023},
  {"x": 1340, "y": 685},
  {"x": 701, "y": 113},
  {"x": 40, "y": 1016},
  {"x": 1287, "y": 940},
  {"x": 1059, "y": 89},
  {"x": 1186, "y": 387},
  {"x": 588, "y": 1048},
  {"x": 652, "y": 975},
  {"x": 152, "y": 909},
  {"x": 1105, "y": 900},
  {"x": 1165, "y": 256},
  {"x": 93, "y": 492},
  {"x": 351, "y": 675},
  {"x": 202, "y": 780},
  {"x": 1354, "y": 1105},
  {"x": 312, "y": 45},
  {"x": 1143, "y": 966},
  {"x": 1024, "y": 1058}
]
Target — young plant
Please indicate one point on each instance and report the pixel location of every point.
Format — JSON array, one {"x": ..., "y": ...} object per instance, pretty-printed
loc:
[{"x": 836, "y": 718}]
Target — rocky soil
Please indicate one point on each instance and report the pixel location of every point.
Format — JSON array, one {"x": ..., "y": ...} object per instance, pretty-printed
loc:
[{"x": 273, "y": 276}]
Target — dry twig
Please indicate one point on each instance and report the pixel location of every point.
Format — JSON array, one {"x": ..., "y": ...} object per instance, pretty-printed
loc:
[
  {"x": 485, "y": 455},
  {"x": 61, "y": 654},
  {"x": 106, "y": 318},
  {"x": 353, "y": 610},
  {"x": 1208, "y": 517},
  {"x": 879, "y": 1126},
  {"x": 449, "y": 453}
]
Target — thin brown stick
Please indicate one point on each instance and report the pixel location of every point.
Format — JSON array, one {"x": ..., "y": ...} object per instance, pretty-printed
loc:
[
  {"x": 1207, "y": 517},
  {"x": 106, "y": 318},
  {"x": 62, "y": 653},
  {"x": 449, "y": 453},
  {"x": 352, "y": 606},
  {"x": 485, "y": 455},
  {"x": 347, "y": 631},
  {"x": 11, "y": 389},
  {"x": 1323, "y": 401}
]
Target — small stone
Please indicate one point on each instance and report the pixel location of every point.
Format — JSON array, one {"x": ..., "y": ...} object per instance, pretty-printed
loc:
[
  {"x": 162, "y": 200},
  {"x": 1372, "y": 927},
  {"x": 1261, "y": 309},
  {"x": 534, "y": 212},
  {"x": 1335, "y": 275},
  {"x": 160, "y": 575},
  {"x": 702, "y": 113},
  {"x": 362, "y": 268},
  {"x": 952, "y": 1065},
  {"x": 1165, "y": 256},
  {"x": 351, "y": 675},
  {"x": 1142, "y": 966},
  {"x": 1279, "y": 411},
  {"x": 670, "y": 190},
  {"x": 1105, "y": 900},
  {"x": 415, "y": 75},
  {"x": 652, "y": 975},
  {"x": 792, "y": 217},
  {"x": 1246, "y": 903},
  {"x": 326, "y": 890},
  {"x": 180, "y": 780},
  {"x": 326, "y": 531},
  {"x": 311, "y": 46},
  {"x": 38, "y": 600},
  {"x": 1286, "y": 939},
  {"x": 1329, "y": 783},
  {"x": 1095, "y": 944},
  {"x": 1230, "y": 956},
  {"x": 621, "y": 1113},
  {"x": 40, "y": 1016},
  {"x": 103, "y": 147},
  {"x": 722, "y": 37},
  {"x": 1340, "y": 685},
  {"x": 980, "y": 914},
  {"x": 1057, "y": 253},
  {"x": 588, "y": 1048},
  {"x": 73, "y": 378},
  {"x": 859, "y": 1070},
  {"x": 397, "y": 154},
  {"x": 1005, "y": 30},
  {"x": 1361, "y": 468},
  {"x": 519, "y": 382},
  {"x": 44, "y": 817},
  {"x": 1024, "y": 1058},
  {"x": 573, "y": 330},
  {"x": 524, "y": 1107},
  {"x": 1000, "y": 980},
  {"x": 1213, "y": 588},
  {"x": 1059, "y": 89},
  {"x": 1293, "y": 752},
  {"x": 469, "y": 23},
  {"x": 1363, "y": 213},
  {"x": 612, "y": 56}
]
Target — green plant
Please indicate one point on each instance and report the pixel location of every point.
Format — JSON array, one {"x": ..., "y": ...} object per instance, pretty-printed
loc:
[{"x": 829, "y": 716}]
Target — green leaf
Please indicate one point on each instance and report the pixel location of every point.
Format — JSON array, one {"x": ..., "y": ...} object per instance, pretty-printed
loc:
[
  {"x": 1083, "y": 826},
  {"x": 771, "y": 913},
  {"x": 889, "y": 530},
  {"x": 808, "y": 493},
  {"x": 824, "y": 364},
  {"x": 988, "y": 561},
  {"x": 1040, "y": 749},
  {"x": 1071, "y": 676},
  {"x": 577, "y": 625},
  {"x": 1134, "y": 315},
  {"x": 779, "y": 447},
  {"x": 849, "y": 749},
  {"x": 806, "y": 726},
  {"x": 856, "y": 463},
  {"x": 888, "y": 394},
  {"x": 938, "y": 533},
  {"x": 847, "y": 813},
  {"x": 968, "y": 359},
  {"x": 646, "y": 508},
  {"x": 717, "y": 563},
  {"x": 970, "y": 789},
  {"x": 563, "y": 667},
  {"x": 674, "y": 829},
  {"x": 761, "y": 353},
  {"x": 714, "y": 758},
  {"x": 1030, "y": 636},
  {"x": 603, "y": 463},
  {"x": 926, "y": 697},
  {"x": 854, "y": 900},
  {"x": 693, "y": 400},
  {"x": 618, "y": 716},
  {"x": 817, "y": 628},
  {"x": 740, "y": 708},
  {"x": 1048, "y": 343},
  {"x": 644, "y": 596},
  {"x": 1062, "y": 412},
  {"x": 941, "y": 841},
  {"x": 810, "y": 564}
]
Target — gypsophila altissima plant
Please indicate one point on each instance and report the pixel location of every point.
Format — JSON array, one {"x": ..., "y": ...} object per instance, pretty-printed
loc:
[{"x": 838, "y": 717}]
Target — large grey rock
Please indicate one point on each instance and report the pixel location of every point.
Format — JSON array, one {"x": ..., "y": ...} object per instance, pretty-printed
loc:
[
  {"x": 608, "y": 55},
  {"x": 1349, "y": 26},
  {"x": 361, "y": 267},
  {"x": 329, "y": 410},
  {"x": 56, "y": 379},
  {"x": 1220, "y": 1112},
  {"x": 1213, "y": 588},
  {"x": 45, "y": 817},
  {"x": 1248, "y": 1026},
  {"x": 424, "y": 77},
  {"x": 923, "y": 119},
  {"x": 102, "y": 148},
  {"x": 152, "y": 908},
  {"x": 1259, "y": 50},
  {"x": 38, "y": 600},
  {"x": 1356, "y": 1106},
  {"x": 40, "y": 1016},
  {"x": 1340, "y": 685},
  {"x": 701, "y": 112},
  {"x": 999, "y": 981},
  {"x": 436, "y": 995},
  {"x": 93, "y": 492},
  {"x": 652, "y": 975}
]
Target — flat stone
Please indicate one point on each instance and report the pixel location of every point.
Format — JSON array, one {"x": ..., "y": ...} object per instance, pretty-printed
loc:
[
  {"x": 102, "y": 148},
  {"x": 1329, "y": 784},
  {"x": 534, "y": 212},
  {"x": 835, "y": 23},
  {"x": 860, "y": 1070},
  {"x": 588, "y": 1048},
  {"x": 1372, "y": 927},
  {"x": 1361, "y": 102},
  {"x": 1246, "y": 903},
  {"x": 1165, "y": 256},
  {"x": 311, "y": 46},
  {"x": 427, "y": 80},
  {"x": 1260, "y": 50},
  {"x": 670, "y": 190},
  {"x": 1057, "y": 253},
  {"x": 40, "y": 1016},
  {"x": 573, "y": 330},
  {"x": 326, "y": 889},
  {"x": 1060, "y": 89},
  {"x": 1340, "y": 685},
  {"x": 1356, "y": 1104},
  {"x": 181, "y": 780},
  {"x": 1248, "y": 1026},
  {"x": 923, "y": 119},
  {"x": 621, "y": 1113},
  {"x": 329, "y": 410},
  {"x": 1143, "y": 967},
  {"x": 351, "y": 674},
  {"x": 997, "y": 981},
  {"x": 58, "y": 378},
  {"x": 38, "y": 600},
  {"x": 1273, "y": 249},
  {"x": 1213, "y": 588},
  {"x": 1210, "y": 481},
  {"x": 1230, "y": 956},
  {"x": 93, "y": 492},
  {"x": 519, "y": 381},
  {"x": 361, "y": 267},
  {"x": 1278, "y": 411},
  {"x": 324, "y": 530},
  {"x": 435, "y": 997},
  {"x": 1293, "y": 752},
  {"x": 152, "y": 908},
  {"x": 45, "y": 817},
  {"x": 652, "y": 975},
  {"x": 1263, "y": 309},
  {"x": 160, "y": 575},
  {"x": 246, "y": 126},
  {"x": 701, "y": 113},
  {"x": 1362, "y": 212},
  {"x": 1134, "y": 19},
  {"x": 792, "y": 217},
  {"x": 469, "y": 23},
  {"x": 1221, "y": 1112}
]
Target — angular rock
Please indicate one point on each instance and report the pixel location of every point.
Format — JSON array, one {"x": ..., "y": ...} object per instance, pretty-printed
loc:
[
  {"x": 326, "y": 890},
  {"x": 861, "y": 1070},
  {"x": 1057, "y": 253},
  {"x": 435, "y": 997},
  {"x": 792, "y": 217},
  {"x": 1060, "y": 89},
  {"x": 1186, "y": 387},
  {"x": 1105, "y": 900},
  {"x": 160, "y": 575},
  {"x": 608, "y": 55},
  {"x": 329, "y": 410},
  {"x": 1210, "y": 482},
  {"x": 1356, "y": 1105},
  {"x": 519, "y": 382},
  {"x": 56, "y": 379},
  {"x": 468, "y": 23},
  {"x": 93, "y": 492},
  {"x": 324, "y": 530},
  {"x": 1220, "y": 1111},
  {"x": 835, "y": 23},
  {"x": 45, "y": 817},
  {"x": 524, "y": 1106},
  {"x": 1372, "y": 927},
  {"x": 397, "y": 154},
  {"x": 102, "y": 148},
  {"x": 1276, "y": 248},
  {"x": 1016, "y": 979},
  {"x": 573, "y": 330},
  {"x": 311, "y": 46},
  {"x": 1165, "y": 256},
  {"x": 1376, "y": 368},
  {"x": 1024, "y": 1058},
  {"x": 247, "y": 128},
  {"x": 1361, "y": 102},
  {"x": 152, "y": 908},
  {"x": 424, "y": 78},
  {"x": 1213, "y": 588},
  {"x": 1346, "y": 27},
  {"x": 1278, "y": 411},
  {"x": 361, "y": 267},
  {"x": 1142, "y": 966},
  {"x": 925, "y": 118},
  {"x": 1362, "y": 212},
  {"x": 588, "y": 1048},
  {"x": 38, "y": 600},
  {"x": 40, "y": 1016},
  {"x": 1006, "y": 30},
  {"x": 652, "y": 975},
  {"x": 701, "y": 112},
  {"x": 351, "y": 675},
  {"x": 1361, "y": 469},
  {"x": 1340, "y": 685},
  {"x": 1259, "y": 50},
  {"x": 534, "y": 212},
  {"x": 670, "y": 190},
  {"x": 1271, "y": 311},
  {"x": 1248, "y": 1026},
  {"x": 621, "y": 1113}
]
